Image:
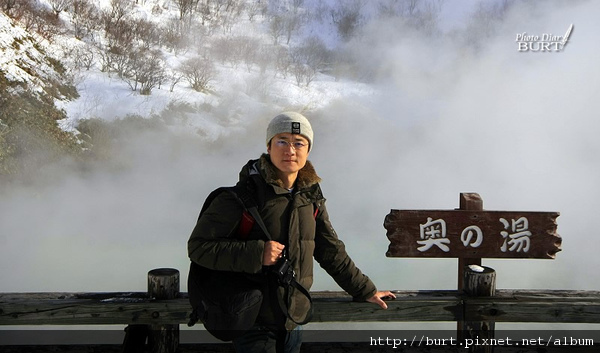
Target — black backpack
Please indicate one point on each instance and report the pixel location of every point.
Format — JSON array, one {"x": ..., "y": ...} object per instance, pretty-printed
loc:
[{"x": 226, "y": 302}]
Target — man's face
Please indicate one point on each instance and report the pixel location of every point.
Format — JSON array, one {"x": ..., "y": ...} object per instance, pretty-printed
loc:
[{"x": 289, "y": 152}]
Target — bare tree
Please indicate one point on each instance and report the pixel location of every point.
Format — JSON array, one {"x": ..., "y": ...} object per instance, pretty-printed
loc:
[
  {"x": 119, "y": 9},
  {"x": 308, "y": 59},
  {"x": 276, "y": 28},
  {"x": 26, "y": 12},
  {"x": 265, "y": 57},
  {"x": 483, "y": 23},
  {"x": 222, "y": 50},
  {"x": 420, "y": 14},
  {"x": 206, "y": 11},
  {"x": 254, "y": 8},
  {"x": 296, "y": 5},
  {"x": 291, "y": 23},
  {"x": 198, "y": 72},
  {"x": 186, "y": 7},
  {"x": 83, "y": 57},
  {"x": 145, "y": 32},
  {"x": 395, "y": 8},
  {"x": 37, "y": 18},
  {"x": 429, "y": 17},
  {"x": 85, "y": 18},
  {"x": 7, "y": 6},
  {"x": 249, "y": 51},
  {"x": 283, "y": 61},
  {"x": 151, "y": 71},
  {"x": 59, "y": 6},
  {"x": 347, "y": 17},
  {"x": 117, "y": 59},
  {"x": 144, "y": 68},
  {"x": 117, "y": 29},
  {"x": 173, "y": 35},
  {"x": 174, "y": 77},
  {"x": 120, "y": 33}
]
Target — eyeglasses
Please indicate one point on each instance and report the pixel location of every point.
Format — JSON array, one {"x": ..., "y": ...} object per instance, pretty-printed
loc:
[{"x": 297, "y": 145}]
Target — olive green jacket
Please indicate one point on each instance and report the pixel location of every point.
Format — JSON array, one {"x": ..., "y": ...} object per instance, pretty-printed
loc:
[{"x": 297, "y": 219}]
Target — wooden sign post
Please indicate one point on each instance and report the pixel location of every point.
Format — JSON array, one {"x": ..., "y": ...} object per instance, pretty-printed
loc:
[{"x": 471, "y": 233}]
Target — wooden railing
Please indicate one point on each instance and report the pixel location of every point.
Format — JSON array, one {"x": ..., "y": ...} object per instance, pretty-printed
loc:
[
  {"x": 561, "y": 306},
  {"x": 141, "y": 308}
]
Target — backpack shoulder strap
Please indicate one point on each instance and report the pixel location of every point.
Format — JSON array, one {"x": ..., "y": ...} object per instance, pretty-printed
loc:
[{"x": 246, "y": 199}]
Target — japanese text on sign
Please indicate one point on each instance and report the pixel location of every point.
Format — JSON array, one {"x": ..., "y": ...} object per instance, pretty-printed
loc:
[{"x": 515, "y": 233}]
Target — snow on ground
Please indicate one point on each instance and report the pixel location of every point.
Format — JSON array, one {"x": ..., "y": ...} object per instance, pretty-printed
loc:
[
  {"x": 105, "y": 96},
  {"x": 22, "y": 55}
]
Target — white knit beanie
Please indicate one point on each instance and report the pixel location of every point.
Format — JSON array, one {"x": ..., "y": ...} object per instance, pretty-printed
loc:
[{"x": 293, "y": 123}]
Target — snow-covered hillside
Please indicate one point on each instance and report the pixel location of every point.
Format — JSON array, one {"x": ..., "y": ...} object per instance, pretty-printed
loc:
[
  {"x": 240, "y": 89},
  {"x": 235, "y": 88},
  {"x": 27, "y": 60}
]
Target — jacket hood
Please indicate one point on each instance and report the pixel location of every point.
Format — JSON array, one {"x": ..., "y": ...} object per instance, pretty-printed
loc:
[{"x": 307, "y": 176}]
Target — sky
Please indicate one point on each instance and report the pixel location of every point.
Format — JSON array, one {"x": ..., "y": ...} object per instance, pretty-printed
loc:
[{"x": 464, "y": 112}]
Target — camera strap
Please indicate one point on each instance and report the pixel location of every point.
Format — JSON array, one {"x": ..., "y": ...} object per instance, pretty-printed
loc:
[
  {"x": 288, "y": 295},
  {"x": 250, "y": 206}
]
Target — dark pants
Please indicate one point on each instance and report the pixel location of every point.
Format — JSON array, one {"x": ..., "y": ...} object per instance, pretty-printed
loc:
[{"x": 261, "y": 340}]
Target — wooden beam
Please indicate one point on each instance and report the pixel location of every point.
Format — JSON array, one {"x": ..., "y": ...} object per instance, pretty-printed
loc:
[
  {"x": 410, "y": 306},
  {"x": 536, "y": 306}
]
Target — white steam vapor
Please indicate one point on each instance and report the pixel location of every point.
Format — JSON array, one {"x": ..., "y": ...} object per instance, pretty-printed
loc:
[{"x": 448, "y": 115}]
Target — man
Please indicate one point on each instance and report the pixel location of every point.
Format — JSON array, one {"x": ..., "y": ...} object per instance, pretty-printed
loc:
[{"x": 286, "y": 188}]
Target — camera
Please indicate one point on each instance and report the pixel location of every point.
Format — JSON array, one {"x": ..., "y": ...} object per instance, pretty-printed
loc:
[{"x": 284, "y": 271}]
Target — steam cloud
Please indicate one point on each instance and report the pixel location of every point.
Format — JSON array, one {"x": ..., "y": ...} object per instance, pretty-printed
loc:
[{"x": 448, "y": 115}]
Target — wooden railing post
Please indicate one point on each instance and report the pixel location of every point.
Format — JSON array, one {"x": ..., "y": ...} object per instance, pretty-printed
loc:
[
  {"x": 468, "y": 202},
  {"x": 163, "y": 284},
  {"x": 478, "y": 281}
]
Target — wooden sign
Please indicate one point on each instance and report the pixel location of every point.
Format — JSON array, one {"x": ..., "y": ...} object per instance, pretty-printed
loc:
[{"x": 472, "y": 234}]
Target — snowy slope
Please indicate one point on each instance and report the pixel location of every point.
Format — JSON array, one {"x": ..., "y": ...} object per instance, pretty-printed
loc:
[
  {"x": 105, "y": 96},
  {"x": 24, "y": 58}
]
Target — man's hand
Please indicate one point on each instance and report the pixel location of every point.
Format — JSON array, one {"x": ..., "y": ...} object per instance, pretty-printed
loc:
[
  {"x": 272, "y": 253},
  {"x": 380, "y": 296}
]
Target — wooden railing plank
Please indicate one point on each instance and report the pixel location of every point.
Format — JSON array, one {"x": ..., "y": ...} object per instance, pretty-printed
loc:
[
  {"x": 92, "y": 312},
  {"x": 137, "y": 308}
]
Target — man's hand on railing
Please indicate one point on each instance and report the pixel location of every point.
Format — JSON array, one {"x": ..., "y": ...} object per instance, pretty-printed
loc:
[{"x": 379, "y": 298}]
